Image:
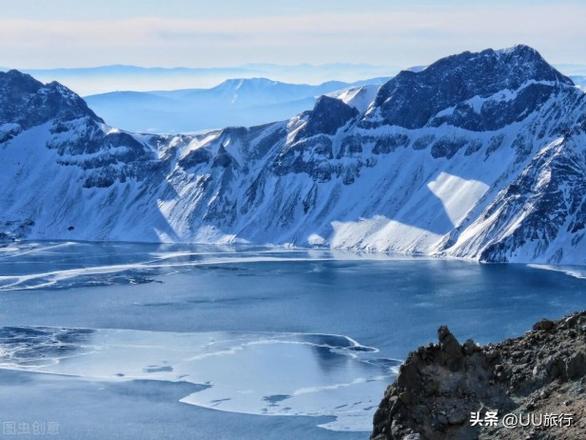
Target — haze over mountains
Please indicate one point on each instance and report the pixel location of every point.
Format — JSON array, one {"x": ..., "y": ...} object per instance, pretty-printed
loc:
[
  {"x": 190, "y": 100},
  {"x": 87, "y": 81},
  {"x": 236, "y": 102},
  {"x": 480, "y": 156},
  {"x": 102, "y": 79}
]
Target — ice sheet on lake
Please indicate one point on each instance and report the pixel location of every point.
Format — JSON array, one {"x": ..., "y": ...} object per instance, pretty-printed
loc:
[
  {"x": 254, "y": 373},
  {"x": 76, "y": 264}
]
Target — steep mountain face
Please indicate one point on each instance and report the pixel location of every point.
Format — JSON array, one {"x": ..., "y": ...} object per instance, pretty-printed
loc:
[
  {"x": 358, "y": 97},
  {"x": 25, "y": 102},
  {"x": 478, "y": 156},
  {"x": 414, "y": 100}
]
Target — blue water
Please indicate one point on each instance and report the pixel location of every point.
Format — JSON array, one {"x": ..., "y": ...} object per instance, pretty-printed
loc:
[{"x": 387, "y": 306}]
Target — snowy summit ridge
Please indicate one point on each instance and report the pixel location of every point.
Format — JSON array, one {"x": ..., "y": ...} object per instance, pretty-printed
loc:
[{"x": 479, "y": 155}]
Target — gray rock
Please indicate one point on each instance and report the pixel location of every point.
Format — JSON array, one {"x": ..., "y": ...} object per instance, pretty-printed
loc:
[
  {"x": 537, "y": 372},
  {"x": 544, "y": 324}
]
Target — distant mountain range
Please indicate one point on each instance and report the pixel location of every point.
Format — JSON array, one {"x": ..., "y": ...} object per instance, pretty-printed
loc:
[
  {"x": 102, "y": 79},
  {"x": 235, "y": 102},
  {"x": 479, "y": 156}
]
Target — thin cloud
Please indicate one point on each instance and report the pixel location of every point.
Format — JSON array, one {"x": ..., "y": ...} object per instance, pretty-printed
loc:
[{"x": 401, "y": 36}]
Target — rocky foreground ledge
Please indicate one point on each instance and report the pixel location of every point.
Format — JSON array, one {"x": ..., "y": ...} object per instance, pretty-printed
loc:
[{"x": 532, "y": 387}]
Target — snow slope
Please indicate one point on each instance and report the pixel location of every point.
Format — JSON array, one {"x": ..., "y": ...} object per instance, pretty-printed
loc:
[{"x": 480, "y": 156}]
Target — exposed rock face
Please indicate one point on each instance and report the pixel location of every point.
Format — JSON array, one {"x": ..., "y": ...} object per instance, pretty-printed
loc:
[
  {"x": 411, "y": 99},
  {"x": 327, "y": 116},
  {"x": 28, "y": 102},
  {"x": 439, "y": 387}
]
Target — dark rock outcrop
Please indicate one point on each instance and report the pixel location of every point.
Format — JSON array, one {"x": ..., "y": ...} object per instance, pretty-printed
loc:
[
  {"x": 28, "y": 102},
  {"x": 440, "y": 387},
  {"x": 411, "y": 99},
  {"x": 327, "y": 116}
]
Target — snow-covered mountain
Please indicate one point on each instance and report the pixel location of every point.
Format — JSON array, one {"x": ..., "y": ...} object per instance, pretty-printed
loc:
[
  {"x": 480, "y": 155},
  {"x": 358, "y": 97},
  {"x": 234, "y": 102}
]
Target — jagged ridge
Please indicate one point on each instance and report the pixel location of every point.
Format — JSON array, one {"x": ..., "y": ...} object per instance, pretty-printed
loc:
[
  {"x": 440, "y": 386},
  {"x": 478, "y": 156}
]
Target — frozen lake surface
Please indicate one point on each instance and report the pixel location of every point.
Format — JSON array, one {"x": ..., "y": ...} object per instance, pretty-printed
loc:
[{"x": 175, "y": 341}]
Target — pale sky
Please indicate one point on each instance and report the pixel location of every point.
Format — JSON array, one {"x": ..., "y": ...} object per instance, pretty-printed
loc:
[{"x": 193, "y": 33}]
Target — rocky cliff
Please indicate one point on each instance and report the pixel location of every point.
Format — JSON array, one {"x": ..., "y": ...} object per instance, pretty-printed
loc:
[{"x": 531, "y": 387}]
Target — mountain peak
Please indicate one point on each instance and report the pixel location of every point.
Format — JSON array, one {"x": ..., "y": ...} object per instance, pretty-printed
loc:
[
  {"x": 14, "y": 82},
  {"x": 411, "y": 99},
  {"x": 238, "y": 83},
  {"x": 519, "y": 49},
  {"x": 520, "y": 62},
  {"x": 327, "y": 116},
  {"x": 28, "y": 102}
]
